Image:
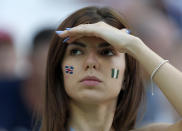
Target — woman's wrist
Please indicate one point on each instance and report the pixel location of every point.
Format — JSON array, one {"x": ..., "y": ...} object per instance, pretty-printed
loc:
[
  {"x": 145, "y": 56},
  {"x": 134, "y": 46}
]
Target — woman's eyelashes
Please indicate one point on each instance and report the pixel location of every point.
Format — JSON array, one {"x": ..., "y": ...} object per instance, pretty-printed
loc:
[
  {"x": 102, "y": 52},
  {"x": 76, "y": 51},
  {"x": 107, "y": 52}
]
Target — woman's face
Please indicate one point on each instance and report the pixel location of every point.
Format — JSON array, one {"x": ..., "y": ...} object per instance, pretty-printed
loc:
[{"x": 93, "y": 70}]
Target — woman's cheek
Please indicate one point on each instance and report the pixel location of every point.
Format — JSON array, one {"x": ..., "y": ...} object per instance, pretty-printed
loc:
[
  {"x": 69, "y": 74},
  {"x": 69, "y": 69}
]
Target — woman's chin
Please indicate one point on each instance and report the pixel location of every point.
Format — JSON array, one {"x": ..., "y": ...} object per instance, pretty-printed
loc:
[{"x": 91, "y": 98}]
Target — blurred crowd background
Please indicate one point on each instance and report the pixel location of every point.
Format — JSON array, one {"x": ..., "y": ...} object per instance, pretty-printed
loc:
[{"x": 26, "y": 28}]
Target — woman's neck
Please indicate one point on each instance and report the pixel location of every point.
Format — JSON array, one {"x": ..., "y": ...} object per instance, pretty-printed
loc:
[{"x": 92, "y": 117}]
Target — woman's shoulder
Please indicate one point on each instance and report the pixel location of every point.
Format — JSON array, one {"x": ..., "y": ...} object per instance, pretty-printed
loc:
[{"x": 161, "y": 127}]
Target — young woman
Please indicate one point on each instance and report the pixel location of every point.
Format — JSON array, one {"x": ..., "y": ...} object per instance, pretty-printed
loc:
[{"x": 94, "y": 79}]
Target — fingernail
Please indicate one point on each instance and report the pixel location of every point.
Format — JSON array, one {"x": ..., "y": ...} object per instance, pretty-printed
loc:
[
  {"x": 59, "y": 32},
  {"x": 65, "y": 40},
  {"x": 68, "y": 28},
  {"x": 128, "y": 31}
]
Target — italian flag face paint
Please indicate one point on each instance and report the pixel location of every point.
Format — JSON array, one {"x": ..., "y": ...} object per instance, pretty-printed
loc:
[{"x": 115, "y": 73}]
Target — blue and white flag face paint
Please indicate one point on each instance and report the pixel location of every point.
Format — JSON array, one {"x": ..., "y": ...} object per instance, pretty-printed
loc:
[
  {"x": 115, "y": 73},
  {"x": 69, "y": 69}
]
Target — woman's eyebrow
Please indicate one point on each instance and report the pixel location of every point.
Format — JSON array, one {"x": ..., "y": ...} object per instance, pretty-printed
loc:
[
  {"x": 105, "y": 44},
  {"x": 101, "y": 45},
  {"x": 78, "y": 44}
]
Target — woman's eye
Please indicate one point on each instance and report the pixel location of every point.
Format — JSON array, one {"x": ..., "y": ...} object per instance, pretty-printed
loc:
[
  {"x": 108, "y": 52},
  {"x": 75, "y": 52}
]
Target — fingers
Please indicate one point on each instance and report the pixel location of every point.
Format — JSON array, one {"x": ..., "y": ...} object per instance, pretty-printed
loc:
[
  {"x": 73, "y": 38},
  {"x": 64, "y": 33},
  {"x": 71, "y": 34},
  {"x": 68, "y": 37}
]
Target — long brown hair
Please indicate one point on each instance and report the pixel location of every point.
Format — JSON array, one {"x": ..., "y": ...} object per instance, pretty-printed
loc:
[{"x": 56, "y": 110}]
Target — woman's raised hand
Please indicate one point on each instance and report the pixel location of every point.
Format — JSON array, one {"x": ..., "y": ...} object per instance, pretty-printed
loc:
[{"x": 119, "y": 39}]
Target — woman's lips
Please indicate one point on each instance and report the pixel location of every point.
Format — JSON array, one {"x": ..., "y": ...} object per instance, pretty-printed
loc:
[{"x": 90, "y": 82}]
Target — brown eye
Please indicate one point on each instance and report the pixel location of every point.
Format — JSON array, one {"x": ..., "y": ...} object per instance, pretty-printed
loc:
[
  {"x": 76, "y": 52},
  {"x": 107, "y": 52}
]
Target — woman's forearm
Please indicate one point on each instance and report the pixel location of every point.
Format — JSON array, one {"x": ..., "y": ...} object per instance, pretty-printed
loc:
[{"x": 167, "y": 77}]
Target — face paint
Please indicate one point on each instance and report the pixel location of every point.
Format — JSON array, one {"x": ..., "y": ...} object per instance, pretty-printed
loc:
[
  {"x": 69, "y": 69},
  {"x": 115, "y": 73}
]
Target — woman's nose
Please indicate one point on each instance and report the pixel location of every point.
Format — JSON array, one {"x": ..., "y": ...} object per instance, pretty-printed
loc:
[{"x": 91, "y": 61}]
